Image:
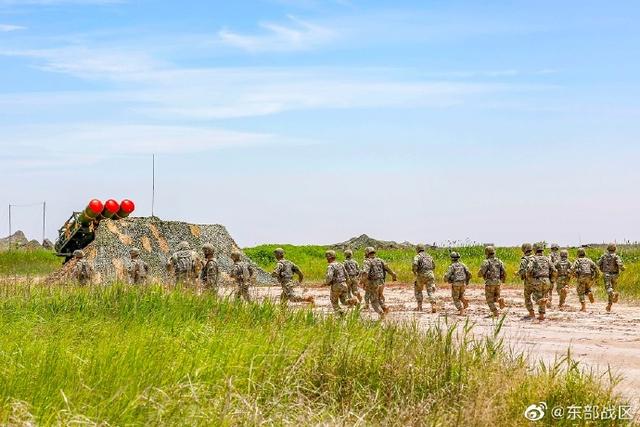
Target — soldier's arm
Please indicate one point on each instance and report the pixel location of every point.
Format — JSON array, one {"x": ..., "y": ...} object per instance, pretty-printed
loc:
[
  {"x": 277, "y": 270},
  {"x": 414, "y": 266},
  {"x": 621, "y": 266},
  {"x": 503, "y": 272},
  {"x": 468, "y": 274},
  {"x": 447, "y": 275},
  {"x": 297, "y": 271},
  {"x": 596, "y": 271},
  {"x": 483, "y": 269},
  {"x": 394, "y": 276},
  {"x": 329, "y": 276}
]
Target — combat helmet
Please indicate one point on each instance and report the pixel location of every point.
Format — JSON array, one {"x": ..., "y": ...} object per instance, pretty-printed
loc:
[
  {"x": 581, "y": 252},
  {"x": 454, "y": 255},
  {"x": 134, "y": 252},
  {"x": 555, "y": 246},
  {"x": 612, "y": 247},
  {"x": 208, "y": 249},
  {"x": 538, "y": 247},
  {"x": 419, "y": 248},
  {"x": 184, "y": 246},
  {"x": 564, "y": 253},
  {"x": 369, "y": 250},
  {"x": 78, "y": 253},
  {"x": 235, "y": 255},
  {"x": 330, "y": 254},
  {"x": 348, "y": 253},
  {"x": 278, "y": 252},
  {"x": 526, "y": 247},
  {"x": 490, "y": 250}
]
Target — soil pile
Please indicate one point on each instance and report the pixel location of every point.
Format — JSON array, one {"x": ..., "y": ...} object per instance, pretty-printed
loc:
[{"x": 363, "y": 241}]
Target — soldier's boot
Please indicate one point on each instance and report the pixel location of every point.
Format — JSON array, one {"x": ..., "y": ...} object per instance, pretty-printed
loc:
[
  {"x": 359, "y": 297},
  {"x": 532, "y": 315},
  {"x": 549, "y": 299},
  {"x": 616, "y": 297},
  {"x": 352, "y": 302},
  {"x": 591, "y": 297},
  {"x": 419, "y": 307},
  {"x": 465, "y": 303},
  {"x": 583, "y": 306},
  {"x": 609, "y": 307},
  {"x": 434, "y": 308},
  {"x": 541, "y": 316},
  {"x": 461, "y": 312},
  {"x": 385, "y": 309},
  {"x": 501, "y": 303},
  {"x": 311, "y": 300},
  {"x": 542, "y": 302}
]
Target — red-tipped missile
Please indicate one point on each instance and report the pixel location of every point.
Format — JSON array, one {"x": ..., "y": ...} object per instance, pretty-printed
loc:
[
  {"x": 126, "y": 208},
  {"x": 111, "y": 208},
  {"x": 91, "y": 212}
]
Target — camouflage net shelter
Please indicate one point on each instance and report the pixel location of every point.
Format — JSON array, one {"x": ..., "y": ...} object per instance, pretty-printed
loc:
[{"x": 157, "y": 240}]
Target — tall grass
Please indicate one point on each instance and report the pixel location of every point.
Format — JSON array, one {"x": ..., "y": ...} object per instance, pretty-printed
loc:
[
  {"x": 312, "y": 262},
  {"x": 123, "y": 355},
  {"x": 24, "y": 262}
]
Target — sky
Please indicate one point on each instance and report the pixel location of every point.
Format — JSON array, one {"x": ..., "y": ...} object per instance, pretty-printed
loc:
[{"x": 314, "y": 121}]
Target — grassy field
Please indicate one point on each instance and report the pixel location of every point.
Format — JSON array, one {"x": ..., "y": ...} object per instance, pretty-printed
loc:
[
  {"x": 28, "y": 262},
  {"x": 312, "y": 262},
  {"x": 124, "y": 356}
]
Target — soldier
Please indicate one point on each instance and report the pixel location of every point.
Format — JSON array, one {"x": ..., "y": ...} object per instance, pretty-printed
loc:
[
  {"x": 611, "y": 265},
  {"x": 353, "y": 275},
  {"x": 565, "y": 271},
  {"x": 458, "y": 276},
  {"x": 522, "y": 272},
  {"x": 555, "y": 257},
  {"x": 494, "y": 274},
  {"x": 423, "y": 267},
  {"x": 210, "y": 271},
  {"x": 83, "y": 270},
  {"x": 283, "y": 273},
  {"x": 374, "y": 271},
  {"x": 337, "y": 278},
  {"x": 138, "y": 269},
  {"x": 540, "y": 272},
  {"x": 586, "y": 272},
  {"x": 183, "y": 264},
  {"x": 242, "y": 273}
]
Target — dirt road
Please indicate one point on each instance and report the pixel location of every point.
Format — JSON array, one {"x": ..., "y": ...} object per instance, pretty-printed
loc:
[{"x": 596, "y": 338}]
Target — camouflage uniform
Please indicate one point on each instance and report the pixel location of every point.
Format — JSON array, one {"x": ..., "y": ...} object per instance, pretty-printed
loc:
[
  {"x": 353, "y": 275},
  {"x": 554, "y": 256},
  {"x": 423, "y": 268},
  {"x": 336, "y": 277},
  {"x": 522, "y": 273},
  {"x": 210, "y": 273},
  {"x": 611, "y": 265},
  {"x": 183, "y": 264},
  {"x": 283, "y": 273},
  {"x": 586, "y": 272},
  {"x": 242, "y": 273},
  {"x": 565, "y": 271},
  {"x": 373, "y": 273},
  {"x": 494, "y": 274},
  {"x": 137, "y": 269},
  {"x": 540, "y": 271},
  {"x": 83, "y": 270},
  {"x": 458, "y": 275}
]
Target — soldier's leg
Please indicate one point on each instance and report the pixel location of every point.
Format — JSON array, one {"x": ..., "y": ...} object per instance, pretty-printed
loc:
[
  {"x": 431, "y": 294},
  {"x": 372, "y": 290},
  {"x": 528, "y": 294},
  {"x": 540, "y": 291},
  {"x": 334, "y": 297},
  {"x": 417, "y": 291},
  {"x": 245, "y": 293},
  {"x": 381, "y": 293},
  {"x": 455, "y": 296},
  {"x": 490, "y": 296},
  {"x": 353, "y": 287},
  {"x": 465, "y": 301}
]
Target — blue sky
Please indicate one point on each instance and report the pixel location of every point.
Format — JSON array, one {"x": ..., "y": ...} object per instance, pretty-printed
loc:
[{"x": 312, "y": 121}]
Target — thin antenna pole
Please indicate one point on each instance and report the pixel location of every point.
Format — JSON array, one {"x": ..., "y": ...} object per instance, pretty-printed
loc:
[
  {"x": 153, "y": 183},
  {"x": 44, "y": 220},
  {"x": 9, "y": 226}
]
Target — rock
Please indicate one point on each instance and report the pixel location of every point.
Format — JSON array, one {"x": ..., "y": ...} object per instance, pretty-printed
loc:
[
  {"x": 17, "y": 240},
  {"x": 157, "y": 240},
  {"x": 32, "y": 245},
  {"x": 48, "y": 245},
  {"x": 363, "y": 241}
]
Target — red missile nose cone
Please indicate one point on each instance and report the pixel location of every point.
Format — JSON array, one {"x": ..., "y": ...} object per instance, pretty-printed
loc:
[
  {"x": 96, "y": 206},
  {"x": 127, "y": 206},
  {"x": 111, "y": 206}
]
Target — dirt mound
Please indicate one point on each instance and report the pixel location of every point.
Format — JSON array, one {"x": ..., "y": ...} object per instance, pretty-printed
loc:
[
  {"x": 363, "y": 241},
  {"x": 17, "y": 240},
  {"x": 157, "y": 240}
]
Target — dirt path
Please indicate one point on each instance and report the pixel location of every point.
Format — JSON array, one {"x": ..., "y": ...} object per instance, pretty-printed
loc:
[{"x": 596, "y": 338}]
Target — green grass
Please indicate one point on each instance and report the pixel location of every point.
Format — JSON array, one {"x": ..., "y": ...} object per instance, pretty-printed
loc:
[
  {"x": 312, "y": 262},
  {"x": 21, "y": 262},
  {"x": 124, "y": 356}
]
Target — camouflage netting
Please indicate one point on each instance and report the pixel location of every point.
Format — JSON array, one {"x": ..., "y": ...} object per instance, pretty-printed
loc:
[{"x": 157, "y": 240}]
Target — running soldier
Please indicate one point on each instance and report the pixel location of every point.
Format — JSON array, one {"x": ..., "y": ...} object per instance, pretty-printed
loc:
[
  {"x": 353, "y": 275},
  {"x": 374, "y": 271},
  {"x": 242, "y": 273},
  {"x": 494, "y": 274},
  {"x": 336, "y": 278},
  {"x": 283, "y": 273},
  {"x": 425, "y": 279},
  {"x": 83, "y": 270},
  {"x": 540, "y": 271},
  {"x": 210, "y": 271},
  {"x": 183, "y": 264},
  {"x": 586, "y": 273},
  {"x": 137, "y": 269},
  {"x": 458, "y": 275},
  {"x": 611, "y": 265},
  {"x": 565, "y": 271},
  {"x": 522, "y": 273},
  {"x": 555, "y": 257}
]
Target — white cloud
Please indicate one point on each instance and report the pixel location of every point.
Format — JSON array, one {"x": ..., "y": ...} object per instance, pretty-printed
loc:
[
  {"x": 6, "y": 28},
  {"x": 298, "y": 35}
]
